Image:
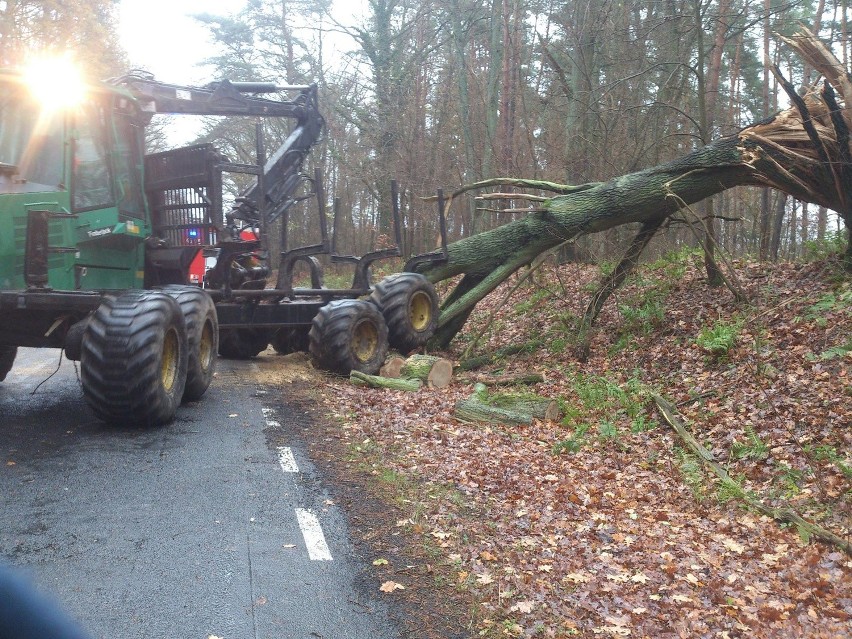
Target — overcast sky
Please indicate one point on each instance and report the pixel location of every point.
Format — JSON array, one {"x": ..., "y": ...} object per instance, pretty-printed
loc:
[{"x": 161, "y": 36}]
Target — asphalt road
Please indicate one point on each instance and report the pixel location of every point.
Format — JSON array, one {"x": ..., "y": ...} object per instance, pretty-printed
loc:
[{"x": 208, "y": 527}]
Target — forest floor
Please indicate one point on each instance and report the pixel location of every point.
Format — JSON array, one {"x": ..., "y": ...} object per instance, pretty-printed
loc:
[{"x": 605, "y": 523}]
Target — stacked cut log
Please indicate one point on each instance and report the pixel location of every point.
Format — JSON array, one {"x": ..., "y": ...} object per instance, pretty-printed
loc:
[{"x": 409, "y": 374}]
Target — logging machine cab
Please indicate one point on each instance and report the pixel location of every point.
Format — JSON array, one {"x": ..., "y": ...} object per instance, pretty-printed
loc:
[
  {"x": 74, "y": 158},
  {"x": 81, "y": 207}
]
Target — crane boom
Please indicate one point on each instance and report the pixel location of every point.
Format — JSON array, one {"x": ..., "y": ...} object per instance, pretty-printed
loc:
[{"x": 282, "y": 172}]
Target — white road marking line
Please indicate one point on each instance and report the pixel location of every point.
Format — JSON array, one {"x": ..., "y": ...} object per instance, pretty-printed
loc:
[
  {"x": 286, "y": 459},
  {"x": 312, "y": 532},
  {"x": 267, "y": 411}
]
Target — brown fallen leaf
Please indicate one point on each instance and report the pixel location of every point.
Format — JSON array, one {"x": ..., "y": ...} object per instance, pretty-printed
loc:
[{"x": 391, "y": 586}]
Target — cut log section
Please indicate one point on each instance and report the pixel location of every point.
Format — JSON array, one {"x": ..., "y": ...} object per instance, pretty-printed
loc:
[
  {"x": 471, "y": 409},
  {"x": 437, "y": 372},
  {"x": 507, "y": 409},
  {"x": 373, "y": 381},
  {"x": 392, "y": 367}
]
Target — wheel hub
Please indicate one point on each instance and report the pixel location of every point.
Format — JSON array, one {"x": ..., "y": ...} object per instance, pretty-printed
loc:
[
  {"x": 420, "y": 311},
  {"x": 205, "y": 347},
  {"x": 365, "y": 341},
  {"x": 169, "y": 361}
]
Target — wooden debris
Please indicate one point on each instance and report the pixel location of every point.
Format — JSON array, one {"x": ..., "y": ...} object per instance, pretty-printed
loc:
[
  {"x": 783, "y": 514},
  {"x": 506, "y": 408},
  {"x": 437, "y": 372},
  {"x": 392, "y": 367},
  {"x": 374, "y": 381},
  {"x": 527, "y": 379},
  {"x": 483, "y": 360}
]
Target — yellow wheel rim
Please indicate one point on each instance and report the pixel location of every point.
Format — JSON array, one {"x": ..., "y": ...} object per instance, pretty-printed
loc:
[
  {"x": 205, "y": 347},
  {"x": 420, "y": 311},
  {"x": 169, "y": 362},
  {"x": 365, "y": 341}
]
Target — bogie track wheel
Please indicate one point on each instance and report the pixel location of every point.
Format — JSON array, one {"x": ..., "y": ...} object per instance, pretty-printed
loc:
[
  {"x": 349, "y": 335},
  {"x": 134, "y": 359},
  {"x": 202, "y": 334},
  {"x": 291, "y": 339},
  {"x": 409, "y": 304},
  {"x": 242, "y": 343}
]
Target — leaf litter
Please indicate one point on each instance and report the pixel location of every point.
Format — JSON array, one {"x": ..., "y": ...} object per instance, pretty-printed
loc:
[{"x": 604, "y": 524}]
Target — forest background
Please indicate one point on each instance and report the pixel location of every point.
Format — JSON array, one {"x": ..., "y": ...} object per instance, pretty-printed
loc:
[{"x": 441, "y": 93}]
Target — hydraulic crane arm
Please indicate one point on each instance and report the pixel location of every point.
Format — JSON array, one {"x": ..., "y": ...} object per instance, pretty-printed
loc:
[
  {"x": 282, "y": 172},
  {"x": 220, "y": 98}
]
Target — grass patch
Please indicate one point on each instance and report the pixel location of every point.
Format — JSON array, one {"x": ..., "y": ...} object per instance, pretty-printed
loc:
[
  {"x": 606, "y": 406},
  {"x": 643, "y": 316},
  {"x": 692, "y": 472},
  {"x": 833, "y": 245},
  {"x": 535, "y": 301}
]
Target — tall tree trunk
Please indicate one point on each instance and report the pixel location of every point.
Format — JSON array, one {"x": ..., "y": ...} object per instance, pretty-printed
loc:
[
  {"x": 765, "y": 206},
  {"x": 464, "y": 114},
  {"x": 708, "y": 121},
  {"x": 778, "y": 226},
  {"x": 822, "y": 222}
]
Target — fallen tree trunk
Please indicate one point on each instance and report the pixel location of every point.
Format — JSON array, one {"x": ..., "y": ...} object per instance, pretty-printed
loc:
[
  {"x": 803, "y": 151},
  {"x": 784, "y": 515}
]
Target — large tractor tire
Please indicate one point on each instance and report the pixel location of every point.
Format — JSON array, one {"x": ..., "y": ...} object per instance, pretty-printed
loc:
[
  {"x": 7, "y": 359},
  {"x": 202, "y": 334},
  {"x": 242, "y": 343},
  {"x": 409, "y": 304},
  {"x": 349, "y": 335},
  {"x": 294, "y": 339},
  {"x": 134, "y": 359}
]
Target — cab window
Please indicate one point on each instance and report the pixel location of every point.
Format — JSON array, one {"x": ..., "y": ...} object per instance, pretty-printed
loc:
[
  {"x": 128, "y": 163},
  {"x": 91, "y": 186}
]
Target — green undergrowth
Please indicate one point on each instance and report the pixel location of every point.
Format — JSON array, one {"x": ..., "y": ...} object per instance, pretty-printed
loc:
[
  {"x": 602, "y": 411},
  {"x": 720, "y": 337}
]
